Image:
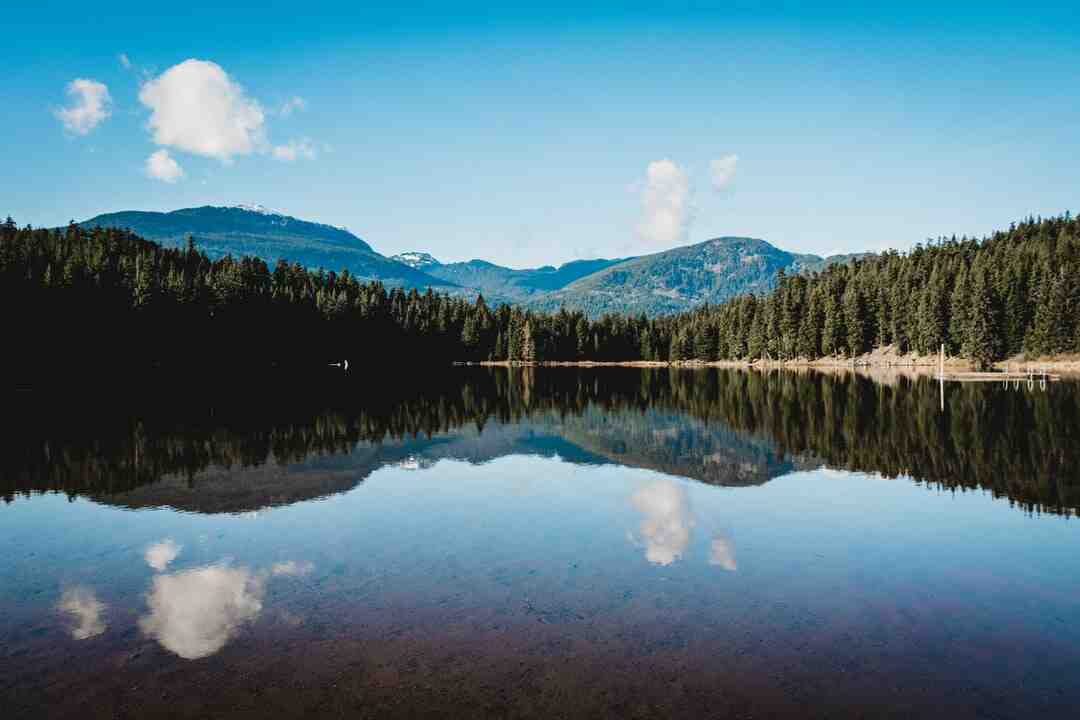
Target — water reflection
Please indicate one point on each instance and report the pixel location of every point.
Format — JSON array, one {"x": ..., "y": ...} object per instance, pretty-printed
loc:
[
  {"x": 503, "y": 583},
  {"x": 721, "y": 427},
  {"x": 193, "y": 613},
  {"x": 292, "y": 568},
  {"x": 666, "y": 527},
  {"x": 85, "y": 609},
  {"x": 722, "y": 552},
  {"x": 160, "y": 554}
]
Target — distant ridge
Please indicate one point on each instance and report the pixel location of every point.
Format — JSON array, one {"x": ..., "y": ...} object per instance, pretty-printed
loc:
[
  {"x": 270, "y": 235},
  {"x": 681, "y": 278},
  {"x": 666, "y": 282}
]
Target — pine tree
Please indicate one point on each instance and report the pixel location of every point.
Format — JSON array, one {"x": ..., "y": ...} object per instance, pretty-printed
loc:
[
  {"x": 931, "y": 313},
  {"x": 705, "y": 342},
  {"x": 528, "y": 342},
  {"x": 809, "y": 341},
  {"x": 855, "y": 318},
  {"x": 1051, "y": 326},
  {"x": 983, "y": 339},
  {"x": 470, "y": 336},
  {"x": 834, "y": 329},
  {"x": 958, "y": 315}
]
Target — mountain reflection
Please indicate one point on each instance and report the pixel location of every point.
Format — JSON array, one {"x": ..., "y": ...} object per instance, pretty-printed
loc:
[{"x": 230, "y": 451}]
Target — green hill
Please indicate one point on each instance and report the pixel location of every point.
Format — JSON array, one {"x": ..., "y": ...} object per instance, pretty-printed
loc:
[
  {"x": 254, "y": 230},
  {"x": 512, "y": 285},
  {"x": 662, "y": 283},
  {"x": 682, "y": 278}
]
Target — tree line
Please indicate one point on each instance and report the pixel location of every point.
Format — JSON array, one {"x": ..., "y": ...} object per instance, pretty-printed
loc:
[{"x": 104, "y": 297}]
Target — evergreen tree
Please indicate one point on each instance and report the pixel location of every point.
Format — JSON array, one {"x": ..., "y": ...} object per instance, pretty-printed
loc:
[
  {"x": 983, "y": 339},
  {"x": 528, "y": 342},
  {"x": 705, "y": 342},
  {"x": 855, "y": 319},
  {"x": 959, "y": 329},
  {"x": 834, "y": 329}
]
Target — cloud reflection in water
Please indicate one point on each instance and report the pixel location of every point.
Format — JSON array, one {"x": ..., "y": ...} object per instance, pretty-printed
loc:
[
  {"x": 194, "y": 613},
  {"x": 292, "y": 568},
  {"x": 160, "y": 554},
  {"x": 722, "y": 552},
  {"x": 668, "y": 524},
  {"x": 668, "y": 521},
  {"x": 81, "y": 604}
]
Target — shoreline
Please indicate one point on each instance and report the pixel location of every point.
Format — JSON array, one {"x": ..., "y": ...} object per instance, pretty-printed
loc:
[{"x": 918, "y": 365}]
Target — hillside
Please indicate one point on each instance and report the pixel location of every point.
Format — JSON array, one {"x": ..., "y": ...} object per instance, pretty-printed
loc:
[
  {"x": 254, "y": 230},
  {"x": 663, "y": 283},
  {"x": 682, "y": 278},
  {"x": 668, "y": 282},
  {"x": 507, "y": 284}
]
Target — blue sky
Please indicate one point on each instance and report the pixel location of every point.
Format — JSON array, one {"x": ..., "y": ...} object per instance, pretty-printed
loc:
[{"x": 540, "y": 135}]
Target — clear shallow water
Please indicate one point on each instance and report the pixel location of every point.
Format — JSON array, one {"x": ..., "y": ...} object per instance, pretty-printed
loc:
[{"x": 645, "y": 551}]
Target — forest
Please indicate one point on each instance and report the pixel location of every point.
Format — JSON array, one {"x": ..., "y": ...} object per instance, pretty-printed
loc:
[{"x": 103, "y": 299}]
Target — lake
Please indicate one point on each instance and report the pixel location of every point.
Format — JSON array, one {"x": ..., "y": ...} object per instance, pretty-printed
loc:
[{"x": 548, "y": 542}]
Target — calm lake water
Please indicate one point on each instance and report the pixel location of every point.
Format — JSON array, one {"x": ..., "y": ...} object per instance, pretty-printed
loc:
[{"x": 544, "y": 543}]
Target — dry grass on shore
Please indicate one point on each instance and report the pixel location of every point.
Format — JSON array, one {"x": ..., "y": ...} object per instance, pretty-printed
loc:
[{"x": 882, "y": 358}]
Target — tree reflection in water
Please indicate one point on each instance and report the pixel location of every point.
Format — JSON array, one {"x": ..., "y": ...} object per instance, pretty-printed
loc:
[{"x": 720, "y": 426}]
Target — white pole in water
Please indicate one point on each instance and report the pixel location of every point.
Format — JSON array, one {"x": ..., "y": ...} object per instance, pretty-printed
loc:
[{"x": 941, "y": 376}]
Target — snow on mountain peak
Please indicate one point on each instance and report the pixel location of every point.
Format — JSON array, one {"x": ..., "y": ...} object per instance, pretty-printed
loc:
[
  {"x": 416, "y": 260},
  {"x": 257, "y": 208}
]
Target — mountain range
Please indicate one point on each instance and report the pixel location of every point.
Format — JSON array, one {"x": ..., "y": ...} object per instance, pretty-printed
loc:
[
  {"x": 665, "y": 282},
  {"x": 270, "y": 235}
]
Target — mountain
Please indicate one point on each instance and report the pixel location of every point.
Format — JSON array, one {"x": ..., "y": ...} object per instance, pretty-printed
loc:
[
  {"x": 511, "y": 285},
  {"x": 665, "y": 282},
  {"x": 679, "y": 279},
  {"x": 270, "y": 235},
  {"x": 416, "y": 260}
]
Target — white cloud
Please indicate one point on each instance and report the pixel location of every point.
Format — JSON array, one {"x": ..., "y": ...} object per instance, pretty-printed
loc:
[
  {"x": 665, "y": 205},
  {"x": 722, "y": 171},
  {"x": 159, "y": 555},
  {"x": 125, "y": 61},
  {"x": 293, "y": 104},
  {"x": 302, "y": 148},
  {"x": 195, "y": 106},
  {"x": 161, "y": 166},
  {"x": 81, "y": 603},
  {"x": 668, "y": 521},
  {"x": 194, "y": 613},
  {"x": 722, "y": 552},
  {"x": 90, "y": 106}
]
